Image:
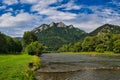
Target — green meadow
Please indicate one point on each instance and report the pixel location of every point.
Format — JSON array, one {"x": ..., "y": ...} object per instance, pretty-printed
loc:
[{"x": 15, "y": 67}]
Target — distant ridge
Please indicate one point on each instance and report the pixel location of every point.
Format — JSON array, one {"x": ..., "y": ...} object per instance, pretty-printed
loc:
[{"x": 106, "y": 28}]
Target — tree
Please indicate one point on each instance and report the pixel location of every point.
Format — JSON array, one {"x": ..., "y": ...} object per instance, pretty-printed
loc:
[
  {"x": 115, "y": 37},
  {"x": 100, "y": 48},
  {"x": 117, "y": 46},
  {"x": 17, "y": 45},
  {"x": 35, "y": 48},
  {"x": 64, "y": 48},
  {"x": 104, "y": 41},
  {"x": 29, "y": 37},
  {"x": 89, "y": 44},
  {"x": 2, "y": 43},
  {"x": 77, "y": 47},
  {"x": 13, "y": 45},
  {"x": 9, "y": 44}
]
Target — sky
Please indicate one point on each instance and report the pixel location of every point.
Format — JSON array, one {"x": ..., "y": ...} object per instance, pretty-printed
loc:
[{"x": 18, "y": 16}]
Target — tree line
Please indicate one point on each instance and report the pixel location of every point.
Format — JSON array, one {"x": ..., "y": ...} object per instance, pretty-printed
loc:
[
  {"x": 29, "y": 44},
  {"x": 100, "y": 43},
  {"x": 9, "y": 45}
]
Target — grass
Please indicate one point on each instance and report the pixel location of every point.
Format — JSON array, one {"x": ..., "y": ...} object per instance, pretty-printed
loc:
[
  {"x": 15, "y": 67},
  {"x": 106, "y": 53}
]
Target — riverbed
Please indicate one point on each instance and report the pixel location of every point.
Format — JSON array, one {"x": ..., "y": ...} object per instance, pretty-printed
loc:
[{"x": 60, "y": 66}]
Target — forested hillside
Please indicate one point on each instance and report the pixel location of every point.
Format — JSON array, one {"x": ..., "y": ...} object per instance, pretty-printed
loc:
[
  {"x": 55, "y": 35},
  {"x": 104, "y": 38},
  {"x": 107, "y": 28}
]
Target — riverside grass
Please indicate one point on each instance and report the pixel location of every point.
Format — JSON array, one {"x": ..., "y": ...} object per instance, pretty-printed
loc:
[
  {"x": 15, "y": 67},
  {"x": 94, "y": 53}
]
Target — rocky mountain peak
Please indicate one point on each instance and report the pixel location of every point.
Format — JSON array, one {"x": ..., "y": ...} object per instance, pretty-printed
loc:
[
  {"x": 61, "y": 24},
  {"x": 43, "y": 27},
  {"x": 71, "y": 26},
  {"x": 52, "y": 24}
]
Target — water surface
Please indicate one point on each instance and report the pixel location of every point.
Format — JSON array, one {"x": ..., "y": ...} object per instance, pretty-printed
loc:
[{"x": 79, "y": 67}]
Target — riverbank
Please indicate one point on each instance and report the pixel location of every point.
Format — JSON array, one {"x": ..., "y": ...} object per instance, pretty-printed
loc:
[
  {"x": 15, "y": 67},
  {"x": 93, "y": 53}
]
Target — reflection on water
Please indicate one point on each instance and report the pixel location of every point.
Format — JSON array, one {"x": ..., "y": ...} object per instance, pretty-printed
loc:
[
  {"x": 82, "y": 75},
  {"x": 79, "y": 67}
]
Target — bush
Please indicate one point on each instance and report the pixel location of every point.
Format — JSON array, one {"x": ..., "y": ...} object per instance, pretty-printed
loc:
[
  {"x": 100, "y": 48},
  {"x": 117, "y": 46},
  {"x": 35, "y": 48}
]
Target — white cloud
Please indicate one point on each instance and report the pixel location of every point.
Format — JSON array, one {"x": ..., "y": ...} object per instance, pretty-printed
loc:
[
  {"x": 29, "y": 1},
  {"x": 117, "y": 3},
  {"x": 3, "y": 7},
  {"x": 9, "y": 10},
  {"x": 43, "y": 8},
  {"x": 70, "y": 6},
  {"x": 43, "y": 2},
  {"x": 22, "y": 19},
  {"x": 90, "y": 22},
  {"x": 17, "y": 25},
  {"x": 57, "y": 15},
  {"x": 10, "y": 2},
  {"x": 25, "y": 21}
]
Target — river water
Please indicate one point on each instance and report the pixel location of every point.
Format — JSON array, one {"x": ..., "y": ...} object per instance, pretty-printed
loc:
[{"x": 79, "y": 67}]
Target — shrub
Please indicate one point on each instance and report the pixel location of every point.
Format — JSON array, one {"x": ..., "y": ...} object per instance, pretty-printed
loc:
[
  {"x": 117, "y": 46},
  {"x": 100, "y": 48},
  {"x": 35, "y": 48}
]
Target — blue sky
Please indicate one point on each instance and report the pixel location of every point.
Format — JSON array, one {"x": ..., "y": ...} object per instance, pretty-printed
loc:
[{"x": 18, "y": 16}]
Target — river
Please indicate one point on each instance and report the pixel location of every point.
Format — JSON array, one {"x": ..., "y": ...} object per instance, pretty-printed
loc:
[{"x": 60, "y": 66}]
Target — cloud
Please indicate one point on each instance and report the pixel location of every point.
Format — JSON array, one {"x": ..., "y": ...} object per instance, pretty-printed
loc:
[
  {"x": 43, "y": 12},
  {"x": 43, "y": 4},
  {"x": 16, "y": 25},
  {"x": 57, "y": 15},
  {"x": 7, "y": 20},
  {"x": 43, "y": 8},
  {"x": 29, "y": 1},
  {"x": 9, "y": 10},
  {"x": 14, "y": 32},
  {"x": 10, "y": 2},
  {"x": 115, "y": 2},
  {"x": 3, "y": 7},
  {"x": 70, "y": 6},
  {"x": 90, "y": 22}
]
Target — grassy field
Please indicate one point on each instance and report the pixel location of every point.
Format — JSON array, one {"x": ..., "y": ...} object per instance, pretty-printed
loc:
[{"x": 15, "y": 67}]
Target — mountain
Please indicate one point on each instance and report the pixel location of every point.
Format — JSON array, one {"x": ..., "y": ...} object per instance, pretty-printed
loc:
[
  {"x": 104, "y": 38},
  {"x": 106, "y": 28},
  {"x": 54, "y": 35}
]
